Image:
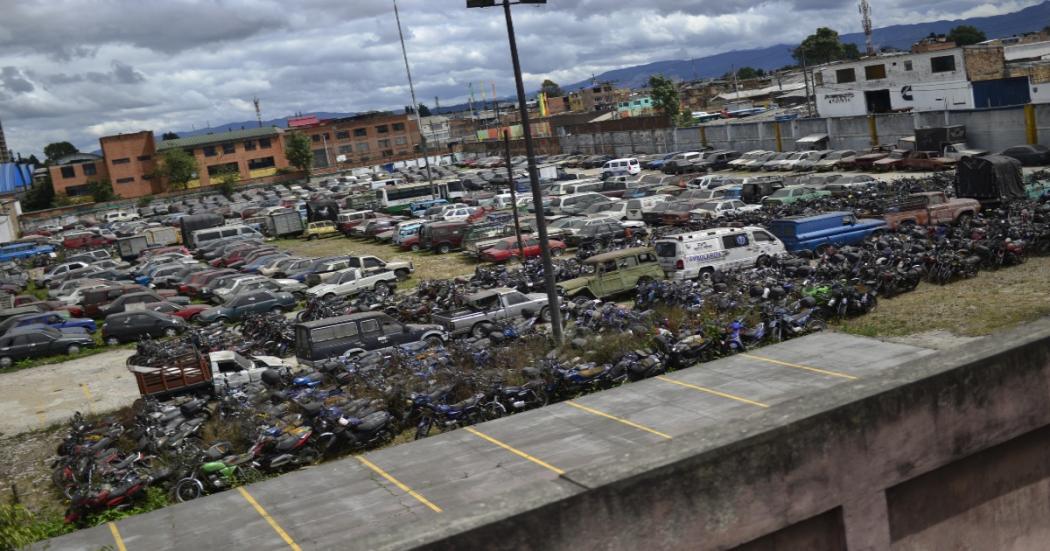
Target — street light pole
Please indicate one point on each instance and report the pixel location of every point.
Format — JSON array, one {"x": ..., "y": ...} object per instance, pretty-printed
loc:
[
  {"x": 537, "y": 197},
  {"x": 415, "y": 105},
  {"x": 513, "y": 193}
]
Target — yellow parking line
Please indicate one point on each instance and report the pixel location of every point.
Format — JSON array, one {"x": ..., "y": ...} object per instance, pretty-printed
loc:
[
  {"x": 269, "y": 520},
  {"x": 515, "y": 451},
  {"x": 402, "y": 486},
  {"x": 87, "y": 394},
  {"x": 116, "y": 537},
  {"x": 618, "y": 419},
  {"x": 797, "y": 366},
  {"x": 712, "y": 391}
]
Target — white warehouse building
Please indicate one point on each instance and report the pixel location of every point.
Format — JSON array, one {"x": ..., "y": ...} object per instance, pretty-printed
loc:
[{"x": 951, "y": 78}]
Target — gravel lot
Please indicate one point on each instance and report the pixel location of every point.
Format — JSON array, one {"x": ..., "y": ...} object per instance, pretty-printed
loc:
[{"x": 41, "y": 396}]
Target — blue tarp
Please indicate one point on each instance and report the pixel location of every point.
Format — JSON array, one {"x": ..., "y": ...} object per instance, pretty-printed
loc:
[{"x": 15, "y": 177}]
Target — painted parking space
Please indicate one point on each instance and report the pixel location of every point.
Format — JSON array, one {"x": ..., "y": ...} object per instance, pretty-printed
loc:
[{"x": 465, "y": 473}]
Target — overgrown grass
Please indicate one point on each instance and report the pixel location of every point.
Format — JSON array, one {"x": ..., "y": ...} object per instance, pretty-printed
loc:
[
  {"x": 971, "y": 307},
  {"x": 20, "y": 528}
]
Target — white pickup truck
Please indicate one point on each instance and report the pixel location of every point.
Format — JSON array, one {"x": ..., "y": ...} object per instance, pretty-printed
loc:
[
  {"x": 957, "y": 151},
  {"x": 231, "y": 370},
  {"x": 350, "y": 281}
]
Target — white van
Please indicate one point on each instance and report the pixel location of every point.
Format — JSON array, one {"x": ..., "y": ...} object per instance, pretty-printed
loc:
[
  {"x": 119, "y": 216},
  {"x": 570, "y": 186},
  {"x": 635, "y": 207},
  {"x": 700, "y": 253},
  {"x": 201, "y": 237},
  {"x": 616, "y": 167}
]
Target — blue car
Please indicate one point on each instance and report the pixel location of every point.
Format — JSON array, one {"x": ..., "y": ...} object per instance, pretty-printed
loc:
[
  {"x": 816, "y": 233},
  {"x": 19, "y": 251},
  {"x": 51, "y": 319}
]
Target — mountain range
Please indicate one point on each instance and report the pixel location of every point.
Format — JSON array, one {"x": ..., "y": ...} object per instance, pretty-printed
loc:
[{"x": 1032, "y": 18}]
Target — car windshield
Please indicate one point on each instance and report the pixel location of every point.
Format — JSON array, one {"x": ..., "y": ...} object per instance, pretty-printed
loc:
[
  {"x": 784, "y": 192},
  {"x": 502, "y": 245}
]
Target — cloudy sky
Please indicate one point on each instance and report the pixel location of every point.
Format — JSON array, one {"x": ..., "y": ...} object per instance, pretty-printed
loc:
[{"x": 79, "y": 69}]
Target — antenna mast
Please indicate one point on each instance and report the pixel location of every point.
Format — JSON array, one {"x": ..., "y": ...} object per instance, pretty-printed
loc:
[
  {"x": 865, "y": 14},
  {"x": 258, "y": 113}
]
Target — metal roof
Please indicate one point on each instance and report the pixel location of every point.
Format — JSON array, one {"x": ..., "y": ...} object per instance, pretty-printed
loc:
[
  {"x": 209, "y": 139},
  {"x": 15, "y": 177}
]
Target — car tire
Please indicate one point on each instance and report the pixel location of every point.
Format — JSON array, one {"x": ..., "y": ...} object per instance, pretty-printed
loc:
[
  {"x": 402, "y": 275},
  {"x": 170, "y": 332},
  {"x": 556, "y": 251},
  {"x": 415, "y": 247},
  {"x": 545, "y": 315},
  {"x": 481, "y": 330},
  {"x": 444, "y": 248},
  {"x": 762, "y": 261},
  {"x": 73, "y": 349},
  {"x": 6, "y": 362},
  {"x": 434, "y": 341},
  {"x": 329, "y": 297},
  {"x": 222, "y": 319},
  {"x": 277, "y": 310},
  {"x": 112, "y": 341}
]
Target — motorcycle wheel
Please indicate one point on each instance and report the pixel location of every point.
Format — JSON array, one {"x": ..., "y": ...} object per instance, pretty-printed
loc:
[
  {"x": 423, "y": 430},
  {"x": 492, "y": 410},
  {"x": 188, "y": 489},
  {"x": 814, "y": 325}
]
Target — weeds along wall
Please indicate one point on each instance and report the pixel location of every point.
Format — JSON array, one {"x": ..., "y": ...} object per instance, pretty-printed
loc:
[{"x": 990, "y": 129}]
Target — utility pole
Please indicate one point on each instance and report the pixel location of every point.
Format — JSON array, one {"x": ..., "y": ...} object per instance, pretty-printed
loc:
[
  {"x": 553, "y": 302},
  {"x": 513, "y": 193},
  {"x": 805, "y": 79},
  {"x": 415, "y": 105}
]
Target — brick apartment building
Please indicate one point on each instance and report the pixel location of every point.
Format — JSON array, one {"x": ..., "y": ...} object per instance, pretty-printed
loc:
[
  {"x": 251, "y": 153},
  {"x": 129, "y": 161},
  {"x": 368, "y": 138}
]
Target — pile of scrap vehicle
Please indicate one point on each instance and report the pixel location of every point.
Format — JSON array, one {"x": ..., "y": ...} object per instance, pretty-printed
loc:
[{"x": 660, "y": 272}]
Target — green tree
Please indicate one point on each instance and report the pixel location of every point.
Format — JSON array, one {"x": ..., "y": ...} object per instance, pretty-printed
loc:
[
  {"x": 297, "y": 151},
  {"x": 824, "y": 46},
  {"x": 177, "y": 167},
  {"x": 169, "y": 136},
  {"x": 102, "y": 191},
  {"x": 40, "y": 196},
  {"x": 57, "y": 150},
  {"x": 424, "y": 111},
  {"x": 745, "y": 73},
  {"x": 965, "y": 35},
  {"x": 665, "y": 96},
  {"x": 228, "y": 182},
  {"x": 551, "y": 89}
]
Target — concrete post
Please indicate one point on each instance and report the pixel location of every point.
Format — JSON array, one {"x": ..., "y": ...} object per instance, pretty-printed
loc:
[
  {"x": 873, "y": 128},
  {"x": 776, "y": 134},
  {"x": 761, "y": 135},
  {"x": 1030, "y": 130},
  {"x": 866, "y": 522},
  {"x": 703, "y": 135}
]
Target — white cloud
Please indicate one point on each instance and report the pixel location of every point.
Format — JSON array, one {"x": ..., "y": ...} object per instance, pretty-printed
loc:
[{"x": 74, "y": 71}]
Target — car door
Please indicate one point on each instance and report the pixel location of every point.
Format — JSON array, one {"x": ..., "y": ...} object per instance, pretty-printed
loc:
[
  {"x": 37, "y": 345},
  {"x": 261, "y": 301},
  {"x": 372, "y": 336},
  {"x": 394, "y": 332}
]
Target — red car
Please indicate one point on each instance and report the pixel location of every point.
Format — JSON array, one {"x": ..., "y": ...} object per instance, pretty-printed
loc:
[
  {"x": 507, "y": 248},
  {"x": 85, "y": 239},
  {"x": 188, "y": 312},
  {"x": 410, "y": 243}
]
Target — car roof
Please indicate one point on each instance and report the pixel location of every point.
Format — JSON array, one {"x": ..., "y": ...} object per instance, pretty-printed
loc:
[{"x": 612, "y": 255}]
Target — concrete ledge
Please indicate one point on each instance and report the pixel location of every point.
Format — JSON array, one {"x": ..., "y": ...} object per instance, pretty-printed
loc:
[{"x": 725, "y": 487}]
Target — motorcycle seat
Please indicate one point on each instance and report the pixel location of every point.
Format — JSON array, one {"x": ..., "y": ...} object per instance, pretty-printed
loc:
[
  {"x": 287, "y": 443},
  {"x": 373, "y": 421},
  {"x": 591, "y": 371}
]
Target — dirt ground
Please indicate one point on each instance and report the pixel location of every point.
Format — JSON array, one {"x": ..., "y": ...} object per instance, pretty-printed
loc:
[{"x": 428, "y": 265}]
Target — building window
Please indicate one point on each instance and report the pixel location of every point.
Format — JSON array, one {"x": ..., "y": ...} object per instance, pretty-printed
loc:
[
  {"x": 342, "y": 134},
  {"x": 384, "y": 143},
  {"x": 365, "y": 159},
  {"x": 875, "y": 72},
  {"x": 68, "y": 172},
  {"x": 362, "y": 147},
  {"x": 249, "y": 145},
  {"x": 316, "y": 137},
  {"x": 144, "y": 157},
  {"x": 382, "y": 129},
  {"x": 818, "y": 79},
  {"x": 388, "y": 153},
  {"x": 942, "y": 64},
  {"x": 122, "y": 161},
  {"x": 907, "y": 65},
  {"x": 77, "y": 191},
  {"x": 264, "y": 143},
  {"x": 89, "y": 169},
  {"x": 400, "y": 140},
  {"x": 125, "y": 180},
  {"x": 360, "y": 132},
  {"x": 845, "y": 75},
  {"x": 216, "y": 170},
  {"x": 209, "y": 151},
  {"x": 257, "y": 164},
  {"x": 228, "y": 148},
  {"x": 399, "y": 127},
  {"x": 344, "y": 149}
]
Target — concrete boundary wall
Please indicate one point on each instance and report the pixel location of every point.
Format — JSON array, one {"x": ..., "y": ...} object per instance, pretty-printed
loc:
[
  {"x": 827, "y": 460},
  {"x": 991, "y": 129}
]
